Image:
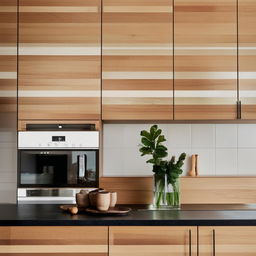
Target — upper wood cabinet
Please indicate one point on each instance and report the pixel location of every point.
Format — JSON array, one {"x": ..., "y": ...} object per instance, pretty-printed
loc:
[
  {"x": 205, "y": 59},
  {"x": 137, "y": 60},
  {"x": 247, "y": 57},
  {"x": 227, "y": 241},
  {"x": 152, "y": 241},
  {"x": 57, "y": 241},
  {"x": 59, "y": 59},
  {"x": 8, "y": 60}
]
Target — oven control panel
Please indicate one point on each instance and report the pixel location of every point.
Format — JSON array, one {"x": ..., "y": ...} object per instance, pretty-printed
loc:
[{"x": 35, "y": 139}]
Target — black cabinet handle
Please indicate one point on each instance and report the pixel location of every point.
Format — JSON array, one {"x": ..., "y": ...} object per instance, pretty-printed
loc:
[
  {"x": 239, "y": 109},
  {"x": 190, "y": 243},
  {"x": 213, "y": 243}
]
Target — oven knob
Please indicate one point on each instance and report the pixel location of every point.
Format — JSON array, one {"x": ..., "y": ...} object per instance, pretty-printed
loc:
[
  {"x": 39, "y": 145},
  {"x": 49, "y": 144},
  {"x": 80, "y": 145}
]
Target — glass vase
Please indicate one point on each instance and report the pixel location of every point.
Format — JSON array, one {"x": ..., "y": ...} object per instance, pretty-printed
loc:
[{"x": 166, "y": 195}]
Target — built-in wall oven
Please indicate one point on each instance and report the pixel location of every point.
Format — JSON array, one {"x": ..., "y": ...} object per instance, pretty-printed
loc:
[{"x": 54, "y": 165}]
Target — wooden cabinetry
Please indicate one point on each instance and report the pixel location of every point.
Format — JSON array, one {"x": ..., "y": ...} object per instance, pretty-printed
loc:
[
  {"x": 67, "y": 241},
  {"x": 247, "y": 57},
  {"x": 151, "y": 241},
  {"x": 227, "y": 241},
  {"x": 59, "y": 59},
  {"x": 137, "y": 60},
  {"x": 8, "y": 60},
  {"x": 205, "y": 59}
]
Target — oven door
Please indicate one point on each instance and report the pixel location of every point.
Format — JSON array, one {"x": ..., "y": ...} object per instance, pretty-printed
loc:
[{"x": 58, "y": 168}]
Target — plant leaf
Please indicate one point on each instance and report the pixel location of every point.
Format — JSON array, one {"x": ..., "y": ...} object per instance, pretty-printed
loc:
[{"x": 146, "y": 134}]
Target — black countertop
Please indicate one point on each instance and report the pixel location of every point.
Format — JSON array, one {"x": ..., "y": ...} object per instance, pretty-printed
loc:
[{"x": 189, "y": 215}]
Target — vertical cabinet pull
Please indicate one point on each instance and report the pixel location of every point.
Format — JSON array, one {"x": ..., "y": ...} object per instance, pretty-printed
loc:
[
  {"x": 239, "y": 109},
  {"x": 190, "y": 243},
  {"x": 213, "y": 243}
]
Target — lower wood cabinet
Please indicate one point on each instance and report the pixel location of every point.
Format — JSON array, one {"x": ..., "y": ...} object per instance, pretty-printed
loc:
[
  {"x": 57, "y": 241},
  {"x": 128, "y": 241},
  {"x": 227, "y": 241},
  {"x": 152, "y": 241}
]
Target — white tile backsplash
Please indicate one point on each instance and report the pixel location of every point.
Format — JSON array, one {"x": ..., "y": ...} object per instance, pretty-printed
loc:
[
  {"x": 226, "y": 135},
  {"x": 203, "y": 135},
  {"x": 247, "y": 136},
  {"x": 226, "y": 162},
  {"x": 246, "y": 162},
  {"x": 223, "y": 149}
]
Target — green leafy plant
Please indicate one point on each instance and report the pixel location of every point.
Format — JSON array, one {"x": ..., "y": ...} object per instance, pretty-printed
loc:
[{"x": 164, "y": 170}]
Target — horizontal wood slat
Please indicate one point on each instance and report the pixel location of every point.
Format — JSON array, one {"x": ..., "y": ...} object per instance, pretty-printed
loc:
[
  {"x": 151, "y": 241},
  {"x": 54, "y": 240},
  {"x": 199, "y": 190}
]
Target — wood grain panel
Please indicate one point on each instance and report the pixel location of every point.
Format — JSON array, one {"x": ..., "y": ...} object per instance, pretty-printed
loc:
[
  {"x": 205, "y": 57},
  {"x": 199, "y": 190},
  {"x": 229, "y": 241},
  {"x": 59, "y": 63},
  {"x": 247, "y": 57},
  {"x": 50, "y": 240},
  {"x": 137, "y": 60},
  {"x": 8, "y": 59},
  {"x": 149, "y": 241}
]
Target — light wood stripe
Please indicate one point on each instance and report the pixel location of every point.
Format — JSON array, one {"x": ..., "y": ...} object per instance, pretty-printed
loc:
[
  {"x": 11, "y": 50},
  {"x": 8, "y": 75},
  {"x": 205, "y": 75},
  {"x": 56, "y": 9},
  {"x": 53, "y": 248},
  {"x": 210, "y": 101},
  {"x": 59, "y": 50},
  {"x": 59, "y": 93},
  {"x": 151, "y": 250}
]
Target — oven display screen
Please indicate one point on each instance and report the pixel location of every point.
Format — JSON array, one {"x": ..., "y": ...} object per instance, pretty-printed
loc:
[{"x": 58, "y": 138}]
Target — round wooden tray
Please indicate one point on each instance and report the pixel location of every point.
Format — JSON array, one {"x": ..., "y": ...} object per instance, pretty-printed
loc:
[{"x": 118, "y": 210}]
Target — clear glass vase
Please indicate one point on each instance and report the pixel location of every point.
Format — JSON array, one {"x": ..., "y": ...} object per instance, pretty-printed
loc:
[{"x": 166, "y": 195}]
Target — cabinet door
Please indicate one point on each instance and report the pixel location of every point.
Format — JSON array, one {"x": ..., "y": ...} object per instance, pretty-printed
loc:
[
  {"x": 205, "y": 59},
  {"x": 152, "y": 241},
  {"x": 247, "y": 57},
  {"x": 59, "y": 59},
  {"x": 8, "y": 63},
  {"x": 57, "y": 241},
  {"x": 137, "y": 60},
  {"x": 227, "y": 241}
]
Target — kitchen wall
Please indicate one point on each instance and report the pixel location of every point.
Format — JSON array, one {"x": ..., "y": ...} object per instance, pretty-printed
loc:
[{"x": 224, "y": 149}]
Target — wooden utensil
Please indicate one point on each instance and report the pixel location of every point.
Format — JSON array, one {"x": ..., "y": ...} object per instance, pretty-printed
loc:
[
  {"x": 192, "y": 172},
  {"x": 71, "y": 208}
]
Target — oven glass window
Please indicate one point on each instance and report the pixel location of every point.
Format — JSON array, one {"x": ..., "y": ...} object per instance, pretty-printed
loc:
[{"x": 58, "y": 168}]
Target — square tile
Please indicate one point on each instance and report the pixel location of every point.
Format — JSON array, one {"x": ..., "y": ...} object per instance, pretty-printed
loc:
[
  {"x": 246, "y": 135},
  {"x": 206, "y": 161},
  {"x": 246, "y": 162},
  {"x": 203, "y": 135},
  {"x": 226, "y": 135},
  {"x": 226, "y": 162},
  {"x": 179, "y": 135}
]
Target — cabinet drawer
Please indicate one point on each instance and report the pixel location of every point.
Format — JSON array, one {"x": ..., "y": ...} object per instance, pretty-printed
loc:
[
  {"x": 37, "y": 241},
  {"x": 151, "y": 241}
]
